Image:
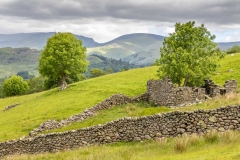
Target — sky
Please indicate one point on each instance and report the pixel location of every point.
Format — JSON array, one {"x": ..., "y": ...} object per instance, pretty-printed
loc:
[{"x": 104, "y": 20}]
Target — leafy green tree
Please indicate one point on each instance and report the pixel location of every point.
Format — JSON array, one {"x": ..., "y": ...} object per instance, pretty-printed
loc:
[
  {"x": 109, "y": 70},
  {"x": 36, "y": 84},
  {"x": 234, "y": 49},
  {"x": 82, "y": 77},
  {"x": 96, "y": 72},
  {"x": 62, "y": 57},
  {"x": 189, "y": 55},
  {"x": 15, "y": 85}
]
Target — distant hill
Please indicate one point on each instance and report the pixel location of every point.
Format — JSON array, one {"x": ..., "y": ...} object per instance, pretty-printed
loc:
[
  {"x": 137, "y": 48},
  {"x": 36, "y": 40},
  {"x": 126, "y": 46},
  {"x": 225, "y": 45},
  {"x": 143, "y": 58},
  {"x": 99, "y": 61},
  {"x": 13, "y": 60}
]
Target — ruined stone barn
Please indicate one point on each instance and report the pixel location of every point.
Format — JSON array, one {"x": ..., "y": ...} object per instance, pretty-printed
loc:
[{"x": 165, "y": 93}]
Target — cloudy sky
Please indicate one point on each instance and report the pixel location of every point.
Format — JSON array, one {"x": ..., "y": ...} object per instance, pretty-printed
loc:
[{"x": 104, "y": 20}]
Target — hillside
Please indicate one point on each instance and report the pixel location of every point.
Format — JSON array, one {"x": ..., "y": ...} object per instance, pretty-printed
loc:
[
  {"x": 127, "y": 47},
  {"x": 36, "y": 40},
  {"x": 98, "y": 61},
  {"x": 13, "y": 60},
  {"x": 76, "y": 98},
  {"x": 61, "y": 105},
  {"x": 137, "y": 48}
]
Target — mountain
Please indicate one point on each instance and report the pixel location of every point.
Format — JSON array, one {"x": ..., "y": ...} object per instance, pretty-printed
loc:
[
  {"x": 36, "y": 40},
  {"x": 137, "y": 48},
  {"x": 126, "y": 46}
]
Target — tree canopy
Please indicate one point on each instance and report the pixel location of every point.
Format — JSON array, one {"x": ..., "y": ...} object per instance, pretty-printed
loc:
[
  {"x": 188, "y": 55},
  {"x": 15, "y": 85},
  {"x": 234, "y": 49},
  {"x": 96, "y": 72},
  {"x": 62, "y": 57}
]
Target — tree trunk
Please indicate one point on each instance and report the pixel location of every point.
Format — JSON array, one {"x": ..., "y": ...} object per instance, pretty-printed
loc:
[
  {"x": 64, "y": 83},
  {"x": 185, "y": 81}
]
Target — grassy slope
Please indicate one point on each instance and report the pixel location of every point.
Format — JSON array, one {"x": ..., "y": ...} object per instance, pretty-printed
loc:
[
  {"x": 101, "y": 88},
  {"x": 37, "y": 108},
  {"x": 228, "y": 63}
]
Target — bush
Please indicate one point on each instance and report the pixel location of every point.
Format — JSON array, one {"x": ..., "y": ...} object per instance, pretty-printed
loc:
[
  {"x": 15, "y": 85},
  {"x": 36, "y": 84},
  {"x": 234, "y": 49},
  {"x": 96, "y": 72}
]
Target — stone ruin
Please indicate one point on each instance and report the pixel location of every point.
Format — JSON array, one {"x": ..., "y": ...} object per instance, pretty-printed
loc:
[{"x": 165, "y": 93}]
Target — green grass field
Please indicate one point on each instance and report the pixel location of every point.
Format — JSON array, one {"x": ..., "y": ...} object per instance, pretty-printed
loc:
[{"x": 37, "y": 108}]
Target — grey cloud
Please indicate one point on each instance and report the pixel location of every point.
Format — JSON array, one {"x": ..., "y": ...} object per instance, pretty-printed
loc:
[{"x": 214, "y": 11}]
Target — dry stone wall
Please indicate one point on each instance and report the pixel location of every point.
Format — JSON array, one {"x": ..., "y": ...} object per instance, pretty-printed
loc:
[
  {"x": 11, "y": 106},
  {"x": 129, "y": 129},
  {"x": 110, "y": 102},
  {"x": 160, "y": 92}
]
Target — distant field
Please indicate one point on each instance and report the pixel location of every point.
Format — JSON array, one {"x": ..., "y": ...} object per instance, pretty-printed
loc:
[{"x": 12, "y": 69}]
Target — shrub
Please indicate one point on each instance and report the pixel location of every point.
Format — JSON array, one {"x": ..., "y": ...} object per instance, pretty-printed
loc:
[{"x": 15, "y": 85}]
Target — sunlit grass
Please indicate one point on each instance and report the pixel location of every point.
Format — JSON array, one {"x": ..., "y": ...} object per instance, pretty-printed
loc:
[
  {"x": 37, "y": 108},
  {"x": 229, "y": 69}
]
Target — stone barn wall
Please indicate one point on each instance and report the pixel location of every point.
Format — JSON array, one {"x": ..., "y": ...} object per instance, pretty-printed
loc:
[{"x": 165, "y": 93}]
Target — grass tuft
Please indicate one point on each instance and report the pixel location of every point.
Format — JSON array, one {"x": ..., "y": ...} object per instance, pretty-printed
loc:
[
  {"x": 181, "y": 143},
  {"x": 212, "y": 137}
]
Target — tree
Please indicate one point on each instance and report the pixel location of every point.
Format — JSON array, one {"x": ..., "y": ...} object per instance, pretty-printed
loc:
[
  {"x": 109, "y": 70},
  {"x": 96, "y": 72},
  {"x": 23, "y": 74},
  {"x": 63, "y": 56},
  {"x": 15, "y": 85},
  {"x": 35, "y": 84},
  {"x": 234, "y": 49},
  {"x": 189, "y": 55}
]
